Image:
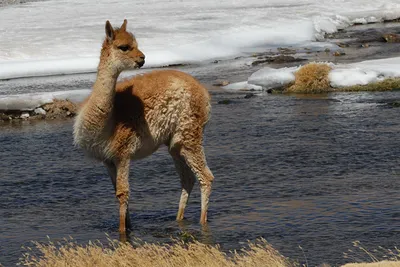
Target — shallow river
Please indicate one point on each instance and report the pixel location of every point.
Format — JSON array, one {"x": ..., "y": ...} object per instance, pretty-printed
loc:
[{"x": 316, "y": 172}]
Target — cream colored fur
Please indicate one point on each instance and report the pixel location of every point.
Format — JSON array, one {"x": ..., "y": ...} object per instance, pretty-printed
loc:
[{"x": 131, "y": 119}]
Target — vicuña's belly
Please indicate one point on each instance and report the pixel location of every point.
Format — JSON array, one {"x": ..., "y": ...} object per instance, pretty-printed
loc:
[{"x": 146, "y": 148}]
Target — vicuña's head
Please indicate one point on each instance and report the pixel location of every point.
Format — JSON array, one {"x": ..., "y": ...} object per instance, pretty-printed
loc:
[{"x": 121, "y": 49}]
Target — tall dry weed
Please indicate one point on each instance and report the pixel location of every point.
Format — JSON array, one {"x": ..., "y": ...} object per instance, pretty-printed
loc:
[
  {"x": 178, "y": 254},
  {"x": 380, "y": 257}
]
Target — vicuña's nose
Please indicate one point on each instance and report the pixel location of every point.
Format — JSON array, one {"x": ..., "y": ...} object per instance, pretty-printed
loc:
[{"x": 141, "y": 62}]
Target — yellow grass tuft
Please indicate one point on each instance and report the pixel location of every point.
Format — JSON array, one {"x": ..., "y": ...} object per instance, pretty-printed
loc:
[
  {"x": 314, "y": 78},
  {"x": 179, "y": 254},
  {"x": 311, "y": 78}
]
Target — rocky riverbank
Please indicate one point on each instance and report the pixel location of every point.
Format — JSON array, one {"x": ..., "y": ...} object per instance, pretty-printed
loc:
[{"x": 58, "y": 109}]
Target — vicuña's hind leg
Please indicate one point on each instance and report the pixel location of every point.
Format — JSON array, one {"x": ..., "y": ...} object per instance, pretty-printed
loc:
[
  {"x": 187, "y": 180},
  {"x": 196, "y": 160},
  {"x": 119, "y": 174}
]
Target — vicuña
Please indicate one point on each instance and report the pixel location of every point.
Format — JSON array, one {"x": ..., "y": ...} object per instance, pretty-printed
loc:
[{"x": 129, "y": 120}]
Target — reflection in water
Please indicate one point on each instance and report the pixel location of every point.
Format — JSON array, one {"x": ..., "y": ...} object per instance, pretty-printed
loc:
[{"x": 317, "y": 172}]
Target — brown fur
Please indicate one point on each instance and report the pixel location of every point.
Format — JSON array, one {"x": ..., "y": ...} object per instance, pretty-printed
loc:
[{"x": 131, "y": 119}]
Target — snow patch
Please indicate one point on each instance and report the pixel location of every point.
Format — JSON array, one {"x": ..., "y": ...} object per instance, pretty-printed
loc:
[
  {"x": 242, "y": 86},
  {"x": 350, "y": 77},
  {"x": 32, "y": 101},
  {"x": 270, "y": 78},
  {"x": 364, "y": 72}
]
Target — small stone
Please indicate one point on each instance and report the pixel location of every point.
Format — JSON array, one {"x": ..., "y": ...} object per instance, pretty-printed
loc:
[
  {"x": 39, "y": 111},
  {"x": 68, "y": 113},
  {"x": 365, "y": 45},
  {"x": 327, "y": 50},
  {"x": 24, "y": 115},
  {"x": 4, "y": 117},
  {"x": 225, "y": 102},
  {"x": 215, "y": 61},
  {"x": 339, "y": 53},
  {"x": 391, "y": 38},
  {"x": 249, "y": 95},
  {"x": 343, "y": 45},
  {"x": 276, "y": 59},
  {"x": 221, "y": 83}
]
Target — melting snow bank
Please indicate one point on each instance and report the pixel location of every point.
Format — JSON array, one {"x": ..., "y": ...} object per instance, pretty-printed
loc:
[
  {"x": 41, "y": 105},
  {"x": 331, "y": 24},
  {"x": 29, "y": 102},
  {"x": 365, "y": 72},
  {"x": 340, "y": 77}
]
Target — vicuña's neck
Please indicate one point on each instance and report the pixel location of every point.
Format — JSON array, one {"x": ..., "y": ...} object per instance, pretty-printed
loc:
[{"x": 104, "y": 86}]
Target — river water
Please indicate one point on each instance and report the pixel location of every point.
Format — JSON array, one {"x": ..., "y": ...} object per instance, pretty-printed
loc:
[{"x": 312, "y": 171}]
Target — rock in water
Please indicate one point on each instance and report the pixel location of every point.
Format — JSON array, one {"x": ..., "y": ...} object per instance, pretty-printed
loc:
[
  {"x": 392, "y": 38},
  {"x": 221, "y": 83}
]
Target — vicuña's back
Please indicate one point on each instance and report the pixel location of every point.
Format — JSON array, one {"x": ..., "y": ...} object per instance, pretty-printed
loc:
[
  {"x": 170, "y": 107},
  {"x": 131, "y": 119}
]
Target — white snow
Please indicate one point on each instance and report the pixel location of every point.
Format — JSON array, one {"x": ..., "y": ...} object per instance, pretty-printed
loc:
[
  {"x": 32, "y": 101},
  {"x": 63, "y": 37},
  {"x": 351, "y": 76},
  {"x": 364, "y": 72},
  {"x": 242, "y": 86},
  {"x": 272, "y": 78}
]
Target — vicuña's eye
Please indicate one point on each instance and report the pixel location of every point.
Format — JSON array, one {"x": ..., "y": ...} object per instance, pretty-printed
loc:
[{"x": 124, "y": 47}]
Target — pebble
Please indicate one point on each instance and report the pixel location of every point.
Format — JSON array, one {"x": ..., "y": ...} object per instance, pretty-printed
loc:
[
  {"x": 24, "y": 115},
  {"x": 39, "y": 111}
]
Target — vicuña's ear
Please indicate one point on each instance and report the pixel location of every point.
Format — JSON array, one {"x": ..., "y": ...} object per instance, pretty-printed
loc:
[
  {"x": 123, "y": 27},
  {"x": 109, "y": 32}
]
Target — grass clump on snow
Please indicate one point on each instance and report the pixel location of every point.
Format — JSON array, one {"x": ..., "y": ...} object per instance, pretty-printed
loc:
[
  {"x": 179, "y": 254},
  {"x": 311, "y": 78}
]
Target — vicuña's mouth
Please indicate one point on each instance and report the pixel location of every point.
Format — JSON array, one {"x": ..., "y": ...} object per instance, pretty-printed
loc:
[{"x": 140, "y": 64}]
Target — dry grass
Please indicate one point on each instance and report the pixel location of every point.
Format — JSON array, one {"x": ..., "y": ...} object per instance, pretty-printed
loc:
[
  {"x": 385, "y": 85},
  {"x": 380, "y": 257},
  {"x": 60, "y": 109},
  {"x": 311, "y": 78},
  {"x": 375, "y": 264},
  {"x": 179, "y": 254}
]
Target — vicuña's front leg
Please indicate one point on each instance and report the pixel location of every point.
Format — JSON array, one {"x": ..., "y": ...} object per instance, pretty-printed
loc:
[{"x": 122, "y": 193}]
